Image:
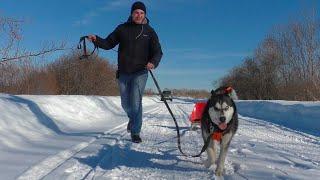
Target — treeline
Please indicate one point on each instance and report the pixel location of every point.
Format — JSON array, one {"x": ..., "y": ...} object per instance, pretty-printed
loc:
[
  {"x": 66, "y": 75},
  {"x": 190, "y": 93},
  {"x": 286, "y": 65},
  {"x": 194, "y": 93},
  {"x": 31, "y": 72},
  {"x": 69, "y": 75}
]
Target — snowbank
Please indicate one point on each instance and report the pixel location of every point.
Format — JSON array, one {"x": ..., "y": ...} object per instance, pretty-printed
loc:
[
  {"x": 301, "y": 116},
  {"x": 298, "y": 115},
  {"x": 85, "y": 137}
]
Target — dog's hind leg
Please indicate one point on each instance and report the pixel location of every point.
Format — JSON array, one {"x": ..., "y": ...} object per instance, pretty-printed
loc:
[
  {"x": 225, "y": 142},
  {"x": 211, "y": 152}
]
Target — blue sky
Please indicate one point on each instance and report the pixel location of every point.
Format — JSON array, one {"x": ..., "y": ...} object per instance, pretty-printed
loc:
[{"x": 202, "y": 40}]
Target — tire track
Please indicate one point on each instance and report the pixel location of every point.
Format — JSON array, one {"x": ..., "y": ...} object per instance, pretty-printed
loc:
[
  {"x": 52, "y": 163},
  {"x": 93, "y": 172},
  {"x": 158, "y": 147}
]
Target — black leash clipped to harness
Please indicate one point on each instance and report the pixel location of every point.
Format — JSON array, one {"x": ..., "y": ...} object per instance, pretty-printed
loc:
[
  {"x": 86, "y": 55},
  {"x": 84, "y": 46},
  {"x": 175, "y": 122}
]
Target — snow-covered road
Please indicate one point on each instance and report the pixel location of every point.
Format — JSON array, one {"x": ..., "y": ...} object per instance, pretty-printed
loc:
[{"x": 84, "y": 137}]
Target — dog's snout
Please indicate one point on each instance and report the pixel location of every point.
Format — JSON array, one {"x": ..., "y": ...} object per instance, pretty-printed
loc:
[{"x": 222, "y": 119}]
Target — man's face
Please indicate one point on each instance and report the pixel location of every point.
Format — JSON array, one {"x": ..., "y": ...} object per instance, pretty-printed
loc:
[{"x": 138, "y": 16}]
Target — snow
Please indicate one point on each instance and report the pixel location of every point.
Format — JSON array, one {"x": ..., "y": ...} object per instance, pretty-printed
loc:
[
  {"x": 84, "y": 137},
  {"x": 301, "y": 116}
]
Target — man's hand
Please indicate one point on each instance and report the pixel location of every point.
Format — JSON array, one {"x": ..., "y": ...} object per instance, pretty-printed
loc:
[
  {"x": 149, "y": 66},
  {"x": 92, "y": 37}
]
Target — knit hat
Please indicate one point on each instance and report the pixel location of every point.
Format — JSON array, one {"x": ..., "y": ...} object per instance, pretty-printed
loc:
[{"x": 138, "y": 5}]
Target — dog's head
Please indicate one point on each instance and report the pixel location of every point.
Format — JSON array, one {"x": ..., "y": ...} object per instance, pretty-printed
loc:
[{"x": 221, "y": 107}]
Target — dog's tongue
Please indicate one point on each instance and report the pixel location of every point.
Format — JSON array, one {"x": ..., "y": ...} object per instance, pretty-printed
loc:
[{"x": 223, "y": 126}]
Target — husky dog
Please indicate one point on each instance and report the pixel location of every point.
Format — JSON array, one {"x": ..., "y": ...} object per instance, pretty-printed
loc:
[{"x": 219, "y": 119}]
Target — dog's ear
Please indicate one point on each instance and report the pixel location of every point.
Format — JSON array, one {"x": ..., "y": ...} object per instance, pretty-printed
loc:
[{"x": 213, "y": 93}]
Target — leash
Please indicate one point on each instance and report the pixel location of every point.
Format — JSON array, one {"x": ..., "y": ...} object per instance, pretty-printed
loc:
[
  {"x": 84, "y": 45},
  {"x": 86, "y": 55},
  {"x": 176, "y": 124},
  {"x": 81, "y": 44}
]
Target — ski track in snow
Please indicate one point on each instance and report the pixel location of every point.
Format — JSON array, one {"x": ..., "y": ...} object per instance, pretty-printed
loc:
[
  {"x": 44, "y": 168},
  {"x": 259, "y": 150},
  {"x": 52, "y": 163}
]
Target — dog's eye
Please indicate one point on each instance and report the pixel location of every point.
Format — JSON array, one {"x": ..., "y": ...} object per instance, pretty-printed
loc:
[
  {"x": 226, "y": 108},
  {"x": 216, "y": 109}
]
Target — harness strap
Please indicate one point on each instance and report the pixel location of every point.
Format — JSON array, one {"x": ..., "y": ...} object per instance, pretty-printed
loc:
[{"x": 217, "y": 136}]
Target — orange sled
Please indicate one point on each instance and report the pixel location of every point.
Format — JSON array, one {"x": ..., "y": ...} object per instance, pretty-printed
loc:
[{"x": 196, "y": 114}]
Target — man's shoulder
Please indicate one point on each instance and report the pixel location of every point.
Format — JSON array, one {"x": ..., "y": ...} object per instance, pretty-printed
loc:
[
  {"x": 149, "y": 28},
  {"x": 122, "y": 25},
  {"x": 121, "y": 28}
]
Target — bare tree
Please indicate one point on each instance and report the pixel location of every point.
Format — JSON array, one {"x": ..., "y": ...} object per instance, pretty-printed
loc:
[
  {"x": 285, "y": 65},
  {"x": 10, "y": 33},
  {"x": 18, "y": 65},
  {"x": 93, "y": 76}
]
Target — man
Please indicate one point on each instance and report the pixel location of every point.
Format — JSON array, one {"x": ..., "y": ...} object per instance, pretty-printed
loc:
[{"x": 139, "y": 51}]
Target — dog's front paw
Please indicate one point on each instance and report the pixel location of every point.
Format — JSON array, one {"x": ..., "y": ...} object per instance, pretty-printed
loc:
[
  {"x": 219, "y": 171},
  {"x": 207, "y": 163}
]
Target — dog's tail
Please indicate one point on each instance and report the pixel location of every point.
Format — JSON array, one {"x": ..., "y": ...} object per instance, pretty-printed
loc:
[
  {"x": 226, "y": 90},
  {"x": 232, "y": 93}
]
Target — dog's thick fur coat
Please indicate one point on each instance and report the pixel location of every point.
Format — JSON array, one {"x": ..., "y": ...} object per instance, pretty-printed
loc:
[{"x": 220, "y": 115}]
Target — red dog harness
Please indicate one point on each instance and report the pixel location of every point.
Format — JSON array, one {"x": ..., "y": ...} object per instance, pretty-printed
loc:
[{"x": 217, "y": 136}]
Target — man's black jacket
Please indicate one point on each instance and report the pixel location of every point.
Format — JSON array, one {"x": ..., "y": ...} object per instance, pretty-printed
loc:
[{"x": 138, "y": 45}]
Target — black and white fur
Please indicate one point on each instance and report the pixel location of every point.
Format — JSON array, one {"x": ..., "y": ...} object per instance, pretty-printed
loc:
[{"x": 220, "y": 109}]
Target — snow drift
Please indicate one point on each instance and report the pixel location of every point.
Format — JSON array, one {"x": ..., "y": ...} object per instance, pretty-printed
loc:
[
  {"x": 300, "y": 116},
  {"x": 84, "y": 137}
]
